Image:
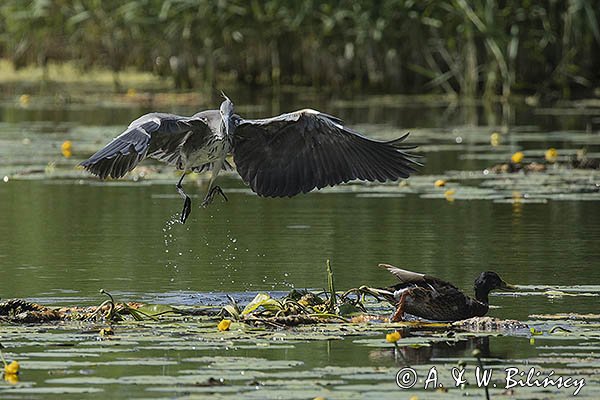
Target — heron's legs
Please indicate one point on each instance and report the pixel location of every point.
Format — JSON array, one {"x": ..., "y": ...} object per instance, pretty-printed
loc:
[
  {"x": 212, "y": 190},
  {"x": 187, "y": 202}
]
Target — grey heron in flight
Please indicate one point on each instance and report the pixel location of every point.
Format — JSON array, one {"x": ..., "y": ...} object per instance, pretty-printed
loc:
[{"x": 277, "y": 157}]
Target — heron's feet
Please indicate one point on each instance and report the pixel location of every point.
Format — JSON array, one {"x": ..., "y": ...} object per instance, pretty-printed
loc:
[
  {"x": 187, "y": 202},
  {"x": 187, "y": 209},
  {"x": 211, "y": 195}
]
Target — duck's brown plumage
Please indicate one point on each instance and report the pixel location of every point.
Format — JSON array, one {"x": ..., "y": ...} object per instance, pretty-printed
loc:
[{"x": 435, "y": 299}]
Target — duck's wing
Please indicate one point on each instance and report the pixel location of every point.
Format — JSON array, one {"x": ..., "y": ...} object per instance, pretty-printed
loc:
[
  {"x": 403, "y": 275},
  {"x": 299, "y": 151},
  {"x": 410, "y": 278},
  {"x": 155, "y": 135}
]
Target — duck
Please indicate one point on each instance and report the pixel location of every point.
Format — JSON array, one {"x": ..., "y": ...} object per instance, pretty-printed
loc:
[{"x": 434, "y": 299}]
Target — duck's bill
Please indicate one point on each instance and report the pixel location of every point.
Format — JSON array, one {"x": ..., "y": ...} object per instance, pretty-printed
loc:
[{"x": 508, "y": 286}]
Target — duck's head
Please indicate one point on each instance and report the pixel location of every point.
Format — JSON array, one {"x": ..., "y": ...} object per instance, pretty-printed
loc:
[{"x": 488, "y": 281}]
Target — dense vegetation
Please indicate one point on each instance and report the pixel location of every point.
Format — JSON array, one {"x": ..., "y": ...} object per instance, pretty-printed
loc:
[{"x": 471, "y": 47}]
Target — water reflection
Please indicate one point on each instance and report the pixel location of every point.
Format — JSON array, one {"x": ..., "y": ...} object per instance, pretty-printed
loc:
[
  {"x": 400, "y": 111},
  {"x": 425, "y": 354}
]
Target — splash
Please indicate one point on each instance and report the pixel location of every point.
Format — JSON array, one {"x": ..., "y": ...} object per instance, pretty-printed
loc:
[
  {"x": 227, "y": 259},
  {"x": 169, "y": 241}
]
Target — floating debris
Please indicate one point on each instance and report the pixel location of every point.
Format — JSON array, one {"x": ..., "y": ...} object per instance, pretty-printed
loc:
[
  {"x": 490, "y": 324},
  {"x": 21, "y": 311}
]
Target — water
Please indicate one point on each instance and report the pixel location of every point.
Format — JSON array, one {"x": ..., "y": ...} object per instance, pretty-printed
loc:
[
  {"x": 63, "y": 240},
  {"x": 81, "y": 238}
]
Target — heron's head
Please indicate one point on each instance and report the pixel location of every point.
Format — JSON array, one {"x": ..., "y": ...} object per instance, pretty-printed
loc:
[
  {"x": 226, "y": 108},
  {"x": 227, "y": 111}
]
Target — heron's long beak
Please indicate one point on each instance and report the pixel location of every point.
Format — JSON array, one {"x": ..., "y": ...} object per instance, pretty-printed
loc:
[{"x": 224, "y": 95}]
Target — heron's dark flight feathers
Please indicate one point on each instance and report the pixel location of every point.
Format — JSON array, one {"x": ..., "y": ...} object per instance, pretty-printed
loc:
[{"x": 297, "y": 152}]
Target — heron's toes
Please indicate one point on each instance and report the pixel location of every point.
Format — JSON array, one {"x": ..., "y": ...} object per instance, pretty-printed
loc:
[
  {"x": 207, "y": 200},
  {"x": 210, "y": 196},
  {"x": 218, "y": 189}
]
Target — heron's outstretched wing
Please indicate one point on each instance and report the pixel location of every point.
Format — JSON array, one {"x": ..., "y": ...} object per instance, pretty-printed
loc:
[
  {"x": 155, "y": 135},
  {"x": 296, "y": 152}
]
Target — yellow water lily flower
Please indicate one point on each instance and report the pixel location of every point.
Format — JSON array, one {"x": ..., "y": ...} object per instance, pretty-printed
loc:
[
  {"x": 66, "y": 145},
  {"x": 517, "y": 158},
  {"x": 66, "y": 148},
  {"x": 551, "y": 155},
  {"x": 392, "y": 337},
  {"x": 12, "y": 368},
  {"x": 449, "y": 195},
  {"x": 24, "y": 100},
  {"x": 495, "y": 139},
  {"x": 439, "y": 183},
  {"x": 224, "y": 325},
  {"x": 13, "y": 379}
]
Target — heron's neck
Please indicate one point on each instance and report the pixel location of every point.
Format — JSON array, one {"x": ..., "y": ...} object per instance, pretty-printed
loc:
[{"x": 223, "y": 132}]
